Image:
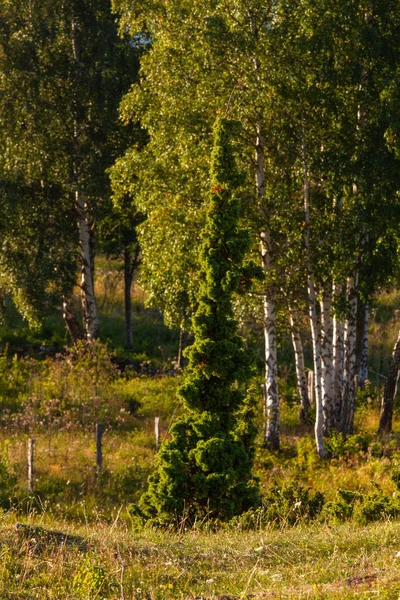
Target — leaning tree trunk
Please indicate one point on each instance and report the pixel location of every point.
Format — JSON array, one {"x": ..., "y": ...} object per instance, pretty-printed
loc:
[
  {"x": 389, "y": 392},
  {"x": 350, "y": 359},
  {"x": 272, "y": 419},
  {"x": 301, "y": 374},
  {"x": 312, "y": 303},
  {"x": 327, "y": 362}
]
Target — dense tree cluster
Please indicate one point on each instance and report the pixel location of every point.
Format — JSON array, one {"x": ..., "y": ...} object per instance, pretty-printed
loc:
[{"x": 315, "y": 88}]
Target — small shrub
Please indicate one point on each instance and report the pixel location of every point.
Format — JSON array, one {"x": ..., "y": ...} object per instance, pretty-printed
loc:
[
  {"x": 336, "y": 510},
  {"x": 339, "y": 445},
  {"x": 307, "y": 457},
  {"x": 376, "y": 506},
  {"x": 290, "y": 504},
  {"x": 363, "y": 508}
]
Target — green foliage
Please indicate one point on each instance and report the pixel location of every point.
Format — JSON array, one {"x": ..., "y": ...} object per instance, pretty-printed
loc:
[
  {"x": 204, "y": 471},
  {"x": 8, "y": 478},
  {"x": 283, "y": 505},
  {"x": 290, "y": 504},
  {"x": 15, "y": 374},
  {"x": 339, "y": 445},
  {"x": 362, "y": 508},
  {"x": 307, "y": 457},
  {"x": 76, "y": 388},
  {"x": 92, "y": 580}
]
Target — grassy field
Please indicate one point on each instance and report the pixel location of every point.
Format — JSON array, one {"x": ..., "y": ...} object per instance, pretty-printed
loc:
[
  {"x": 328, "y": 528},
  {"x": 295, "y": 554},
  {"x": 111, "y": 561}
]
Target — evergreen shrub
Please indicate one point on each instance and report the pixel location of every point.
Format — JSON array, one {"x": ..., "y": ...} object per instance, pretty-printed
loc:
[{"x": 204, "y": 471}]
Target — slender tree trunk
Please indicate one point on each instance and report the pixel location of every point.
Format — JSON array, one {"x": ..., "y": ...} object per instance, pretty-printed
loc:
[
  {"x": 89, "y": 308},
  {"x": 90, "y": 318},
  {"x": 311, "y": 386},
  {"x": 327, "y": 362},
  {"x": 128, "y": 280},
  {"x": 71, "y": 321},
  {"x": 338, "y": 363},
  {"x": 389, "y": 392},
  {"x": 363, "y": 367},
  {"x": 301, "y": 375},
  {"x": 272, "y": 425},
  {"x": 179, "y": 360},
  {"x": 272, "y": 429},
  {"x": 315, "y": 333},
  {"x": 183, "y": 342},
  {"x": 350, "y": 359}
]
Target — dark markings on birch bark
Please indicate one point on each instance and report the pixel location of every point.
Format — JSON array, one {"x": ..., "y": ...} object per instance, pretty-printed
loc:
[
  {"x": 301, "y": 374},
  {"x": 350, "y": 364}
]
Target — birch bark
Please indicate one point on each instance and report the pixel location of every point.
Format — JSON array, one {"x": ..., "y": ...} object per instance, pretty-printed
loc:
[
  {"x": 272, "y": 424},
  {"x": 312, "y": 301},
  {"x": 301, "y": 375},
  {"x": 327, "y": 362},
  {"x": 338, "y": 365},
  {"x": 350, "y": 358},
  {"x": 89, "y": 308}
]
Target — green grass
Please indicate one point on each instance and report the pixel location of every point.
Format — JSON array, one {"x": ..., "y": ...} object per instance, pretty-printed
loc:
[
  {"x": 58, "y": 402},
  {"x": 311, "y": 562}
]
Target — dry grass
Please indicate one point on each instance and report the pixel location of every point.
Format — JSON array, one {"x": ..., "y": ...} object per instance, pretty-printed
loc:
[{"x": 303, "y": 562}]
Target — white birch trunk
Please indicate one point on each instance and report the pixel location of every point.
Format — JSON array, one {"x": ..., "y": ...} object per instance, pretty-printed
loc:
[
  {"x": 350, "y": 358},
  {"x": 315, "y": 334},
  {"x": 311, "y": 386},
  {"x": 327, "y": 361},
  {"x": 272, "y": 424},
  {"x": 90, "y": 318},
  {"x": 301, "y": 375},
  {"x": 338, "y": 367},
  {"x": 363, "y": 369},
  {"x": 89, "y": 308}
]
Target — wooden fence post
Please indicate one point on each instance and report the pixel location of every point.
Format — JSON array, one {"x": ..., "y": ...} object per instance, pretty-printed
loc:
[
  {"x": 157, "y": 432},
  {"x": 99, "y": 450},
  {"x": 31, "y": 470}
]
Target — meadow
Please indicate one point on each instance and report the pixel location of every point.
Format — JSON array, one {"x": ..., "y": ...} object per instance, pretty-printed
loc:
[{"x": 328, "y": 528}]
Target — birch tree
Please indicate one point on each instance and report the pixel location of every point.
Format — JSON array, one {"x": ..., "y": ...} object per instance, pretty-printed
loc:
[
  {"x": 300, "y": 78},
  {"x": 62, "y": 101}
]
